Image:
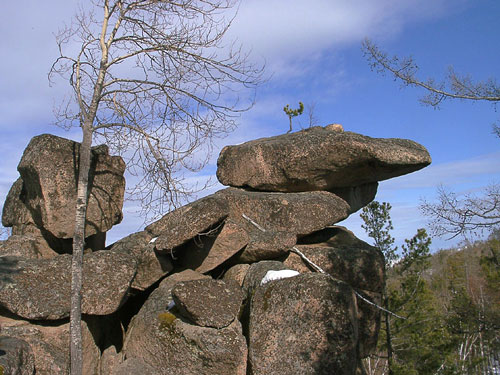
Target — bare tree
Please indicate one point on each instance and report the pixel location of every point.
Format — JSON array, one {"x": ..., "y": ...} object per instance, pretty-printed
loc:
[
  {"x": 454, "y": 216},
  {"x": 154, "y": 80},
  {"x": 311, "y": 115}
]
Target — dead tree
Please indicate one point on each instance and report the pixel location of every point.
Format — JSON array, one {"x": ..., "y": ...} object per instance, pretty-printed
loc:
[
  {"x": 156, "y": 82},
  {"x": 454, "y": 215}
]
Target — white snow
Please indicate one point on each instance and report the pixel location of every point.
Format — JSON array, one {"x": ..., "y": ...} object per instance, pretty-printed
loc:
[{"x": 278, "y": 275}]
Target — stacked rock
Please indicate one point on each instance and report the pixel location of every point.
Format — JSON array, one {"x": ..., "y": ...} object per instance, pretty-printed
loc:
[
  {"x": 35, "y": 265},
  {"x": 285, "y": 192},
  {"x": 41, "y": 203},
  {"x": 212, "y": 313}
]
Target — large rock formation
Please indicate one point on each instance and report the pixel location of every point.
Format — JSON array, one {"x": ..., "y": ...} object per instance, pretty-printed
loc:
[
  {"x": 42, "y": 202},
  {"x": 49, "y": 169},
  {"x": 192, "y": 293},
  {"x": 317, "y": 159}
]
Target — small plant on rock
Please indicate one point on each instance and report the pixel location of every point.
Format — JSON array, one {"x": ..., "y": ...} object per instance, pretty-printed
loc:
[
  {"x": 291, "y": 113},
  {"x": 166, "y": 319}
]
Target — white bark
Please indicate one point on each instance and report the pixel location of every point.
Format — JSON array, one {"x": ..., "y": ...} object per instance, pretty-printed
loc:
[{"x": 78, "y": 247}]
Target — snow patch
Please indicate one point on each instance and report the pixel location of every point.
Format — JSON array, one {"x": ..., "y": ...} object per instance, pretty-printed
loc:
[{"x": 278, "y": 275}]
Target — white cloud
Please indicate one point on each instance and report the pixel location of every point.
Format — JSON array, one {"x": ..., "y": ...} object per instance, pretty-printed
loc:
[
  {"x": 404, "y": 194},
  {"x": 282, "y": 31},
  {"x": 291, "y": 36},
  {"x": 484, "y": 167}
]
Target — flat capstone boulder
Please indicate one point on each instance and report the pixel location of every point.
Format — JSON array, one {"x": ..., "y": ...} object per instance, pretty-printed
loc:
[{"x": 317, "y": 159}]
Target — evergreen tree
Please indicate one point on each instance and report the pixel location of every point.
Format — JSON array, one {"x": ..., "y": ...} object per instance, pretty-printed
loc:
[
  {"x": 378, "y": 224},
  {"x": 420, "y": 343}
]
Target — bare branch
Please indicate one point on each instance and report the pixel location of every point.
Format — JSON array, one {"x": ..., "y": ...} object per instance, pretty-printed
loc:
[
  {"x": 456, "y": 216},
  {"x": 158, "y": 82},
  {"x": 454, "y": 87}
]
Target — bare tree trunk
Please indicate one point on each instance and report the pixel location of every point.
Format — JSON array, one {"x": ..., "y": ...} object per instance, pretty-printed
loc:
[
  {"x": 388, "y": 336},
  {"x": 78, "y": 246}
]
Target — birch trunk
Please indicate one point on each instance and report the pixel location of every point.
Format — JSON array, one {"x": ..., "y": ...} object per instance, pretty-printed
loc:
[{"x": 78, "y": 246}]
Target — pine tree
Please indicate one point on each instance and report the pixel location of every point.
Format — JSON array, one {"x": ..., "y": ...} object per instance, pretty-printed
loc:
[
  {"x": 420, "y": 343},
  {"x": 378, "y": 224}
]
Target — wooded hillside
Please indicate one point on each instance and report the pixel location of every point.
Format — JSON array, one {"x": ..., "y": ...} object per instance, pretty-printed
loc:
[{"x": 449, "y": 308}]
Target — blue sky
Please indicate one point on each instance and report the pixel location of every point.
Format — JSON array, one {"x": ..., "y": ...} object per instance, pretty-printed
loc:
[{"x": 313, "y": 54}]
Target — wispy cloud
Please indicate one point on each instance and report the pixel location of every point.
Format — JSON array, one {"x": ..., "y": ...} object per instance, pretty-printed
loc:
[
  {"x": 301, "y": 30},
  {"x": 484, "y": 167},
  {"x": 406, "y": 192}
]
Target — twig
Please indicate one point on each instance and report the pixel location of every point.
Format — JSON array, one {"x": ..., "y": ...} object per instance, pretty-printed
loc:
[{"x": 254, "y": 223}]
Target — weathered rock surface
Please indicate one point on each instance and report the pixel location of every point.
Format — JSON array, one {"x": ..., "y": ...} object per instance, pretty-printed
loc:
[
  {"x": 208, "y": 303},
  {"x": 133, "y": 366},
  {"x": 349, "y": 259},
  {"x": 343, "y": 256},
  {"x": 16, "y": 358},
  {"x": 110, "y": 360},
  {"x": 28, "y": 246},
  {"x": 15, "y": 213},
  {"x": 357, "y": 197},
  {"x": 266, "y": 245},
  {"x": 40, "y": 288},
  {"x": 237, "y": 273},
  {"x": 317, "y": 159},
  {"x": 230, "y": 240},
  {"x": 49, "y": 170},
  {"x": 185, "y": 223},
  {"x": 256, "y": 273},
  {"x": 144, "y": 327},
  {"x": 151, "y": 264},
  {"x": 172, "y": 346},
  {"x": 208, "y": 241},
  {"x": 303, "y": 325},
  {"x": 369, "y": 321},
  {"x": 49, "y": 344},
  {"x": 251, "y": 281},
  {"x": 297, "y": 213},
  {"x": 201, "y": 350}
]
